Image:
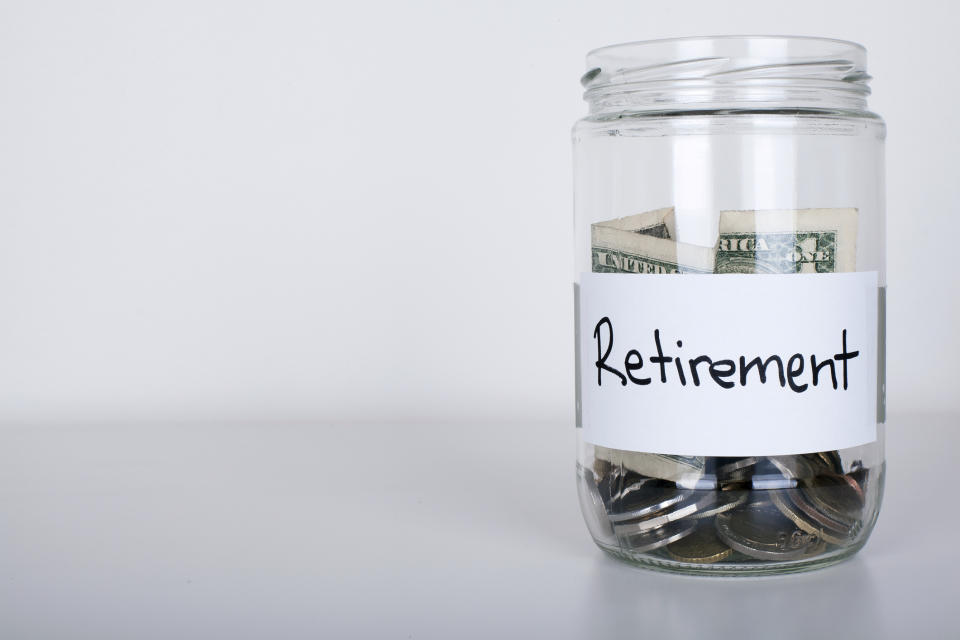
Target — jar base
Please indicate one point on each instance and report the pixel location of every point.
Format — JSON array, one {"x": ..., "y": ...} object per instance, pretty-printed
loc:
[{"x": 744, "y": 568}]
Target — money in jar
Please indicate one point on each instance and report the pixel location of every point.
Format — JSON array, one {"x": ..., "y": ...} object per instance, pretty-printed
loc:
[{"x": 729, "y": 303}]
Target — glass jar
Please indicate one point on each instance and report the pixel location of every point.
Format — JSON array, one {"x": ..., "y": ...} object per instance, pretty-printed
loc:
[{"x": 729, "y": 280}]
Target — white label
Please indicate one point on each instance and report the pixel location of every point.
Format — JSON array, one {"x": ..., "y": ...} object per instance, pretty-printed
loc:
[{"x": 701, "y": 392}]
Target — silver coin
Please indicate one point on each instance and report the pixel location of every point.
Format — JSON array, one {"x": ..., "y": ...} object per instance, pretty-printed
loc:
[
  {"x": 655, "y": 538},
  {"x": 791, "y": 509},
  {"x": 762, "y": 532},
  {"x": 800, "y": 498},
  {"x": 796, "y": 467},
  {"x": 634, "y": 488},
  {"x": 736, "y": 466},
  {"x": 838, "y": 497},
  {"x": 726, "y": 500},
  {"x": 683, "y": 510},
  {"x": 647, "y": 500}
]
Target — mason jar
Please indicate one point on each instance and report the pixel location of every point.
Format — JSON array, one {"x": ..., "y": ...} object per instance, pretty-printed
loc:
[{"x": 729, "y": 302}]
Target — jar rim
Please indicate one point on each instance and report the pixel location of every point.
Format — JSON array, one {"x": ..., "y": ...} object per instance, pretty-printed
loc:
[
  {"x": 646, "y": 72},
  {"x": 848, "y": 44}
]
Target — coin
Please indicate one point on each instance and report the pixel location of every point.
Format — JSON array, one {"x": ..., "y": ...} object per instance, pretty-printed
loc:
[
  {"x": 648, "y": 498},
  {"x": 860, "y": 475},
  {"x": 702, "y": 546},
  {"x": 857, "y": 488},
  {"x": 796, "y": 467},
  {"x": 832, "y": 460},
  {"x": 655, "y": 538},
  {"x": 654, "y": 465},
  {"x": 858, "y": 471},
  {"x": 738, "y": 477},
  {"x": 735, "y": 470},
  {"x": 744, "y": 485},
  {"x": 822, "y": 462},
  {"x": 738, "y": 464},
  {"x": 775, "y": 508},
  {"x": 764, "y": 533},
  {"x": 687, "y": 508},
  {"x": 632, "y": 486},
  {"x": 726, "y": 500},
  {"x": 613, "y": 483},
  {"x": 835, "y": 496},
  {"x": 799, "y": 518},
  {"x": 799, "y": 498}
]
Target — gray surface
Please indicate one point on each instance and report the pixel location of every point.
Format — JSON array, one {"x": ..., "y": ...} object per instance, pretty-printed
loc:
[{"x": 397, "y": 530}]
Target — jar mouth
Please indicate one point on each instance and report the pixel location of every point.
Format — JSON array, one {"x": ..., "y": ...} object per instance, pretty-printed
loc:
[{"x": 773, "y": 70}]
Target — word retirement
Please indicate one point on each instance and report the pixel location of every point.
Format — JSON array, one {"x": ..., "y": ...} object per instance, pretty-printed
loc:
[{"x": 724, "y": 372}]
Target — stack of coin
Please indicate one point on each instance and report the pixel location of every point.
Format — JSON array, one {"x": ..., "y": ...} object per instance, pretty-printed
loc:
[{"x": 780, "y": 508}]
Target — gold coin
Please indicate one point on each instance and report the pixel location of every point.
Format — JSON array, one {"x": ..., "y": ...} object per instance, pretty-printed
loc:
[{"x": 700, "y": 547}]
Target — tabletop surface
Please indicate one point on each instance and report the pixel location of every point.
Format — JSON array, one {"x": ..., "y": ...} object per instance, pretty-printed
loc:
[{"x": 430, "y": 530}]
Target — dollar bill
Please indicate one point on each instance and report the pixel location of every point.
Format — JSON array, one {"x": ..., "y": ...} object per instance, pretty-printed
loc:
[
  {"x": 658, "y": 223},
  {"x": 616, "y": 250},
  {"x": 787, "y": 241}
]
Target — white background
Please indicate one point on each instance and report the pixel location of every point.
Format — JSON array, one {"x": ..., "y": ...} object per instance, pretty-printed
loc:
[
  {"x": 362, "y": 211},
  {"x": 242, "y": 242}
]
